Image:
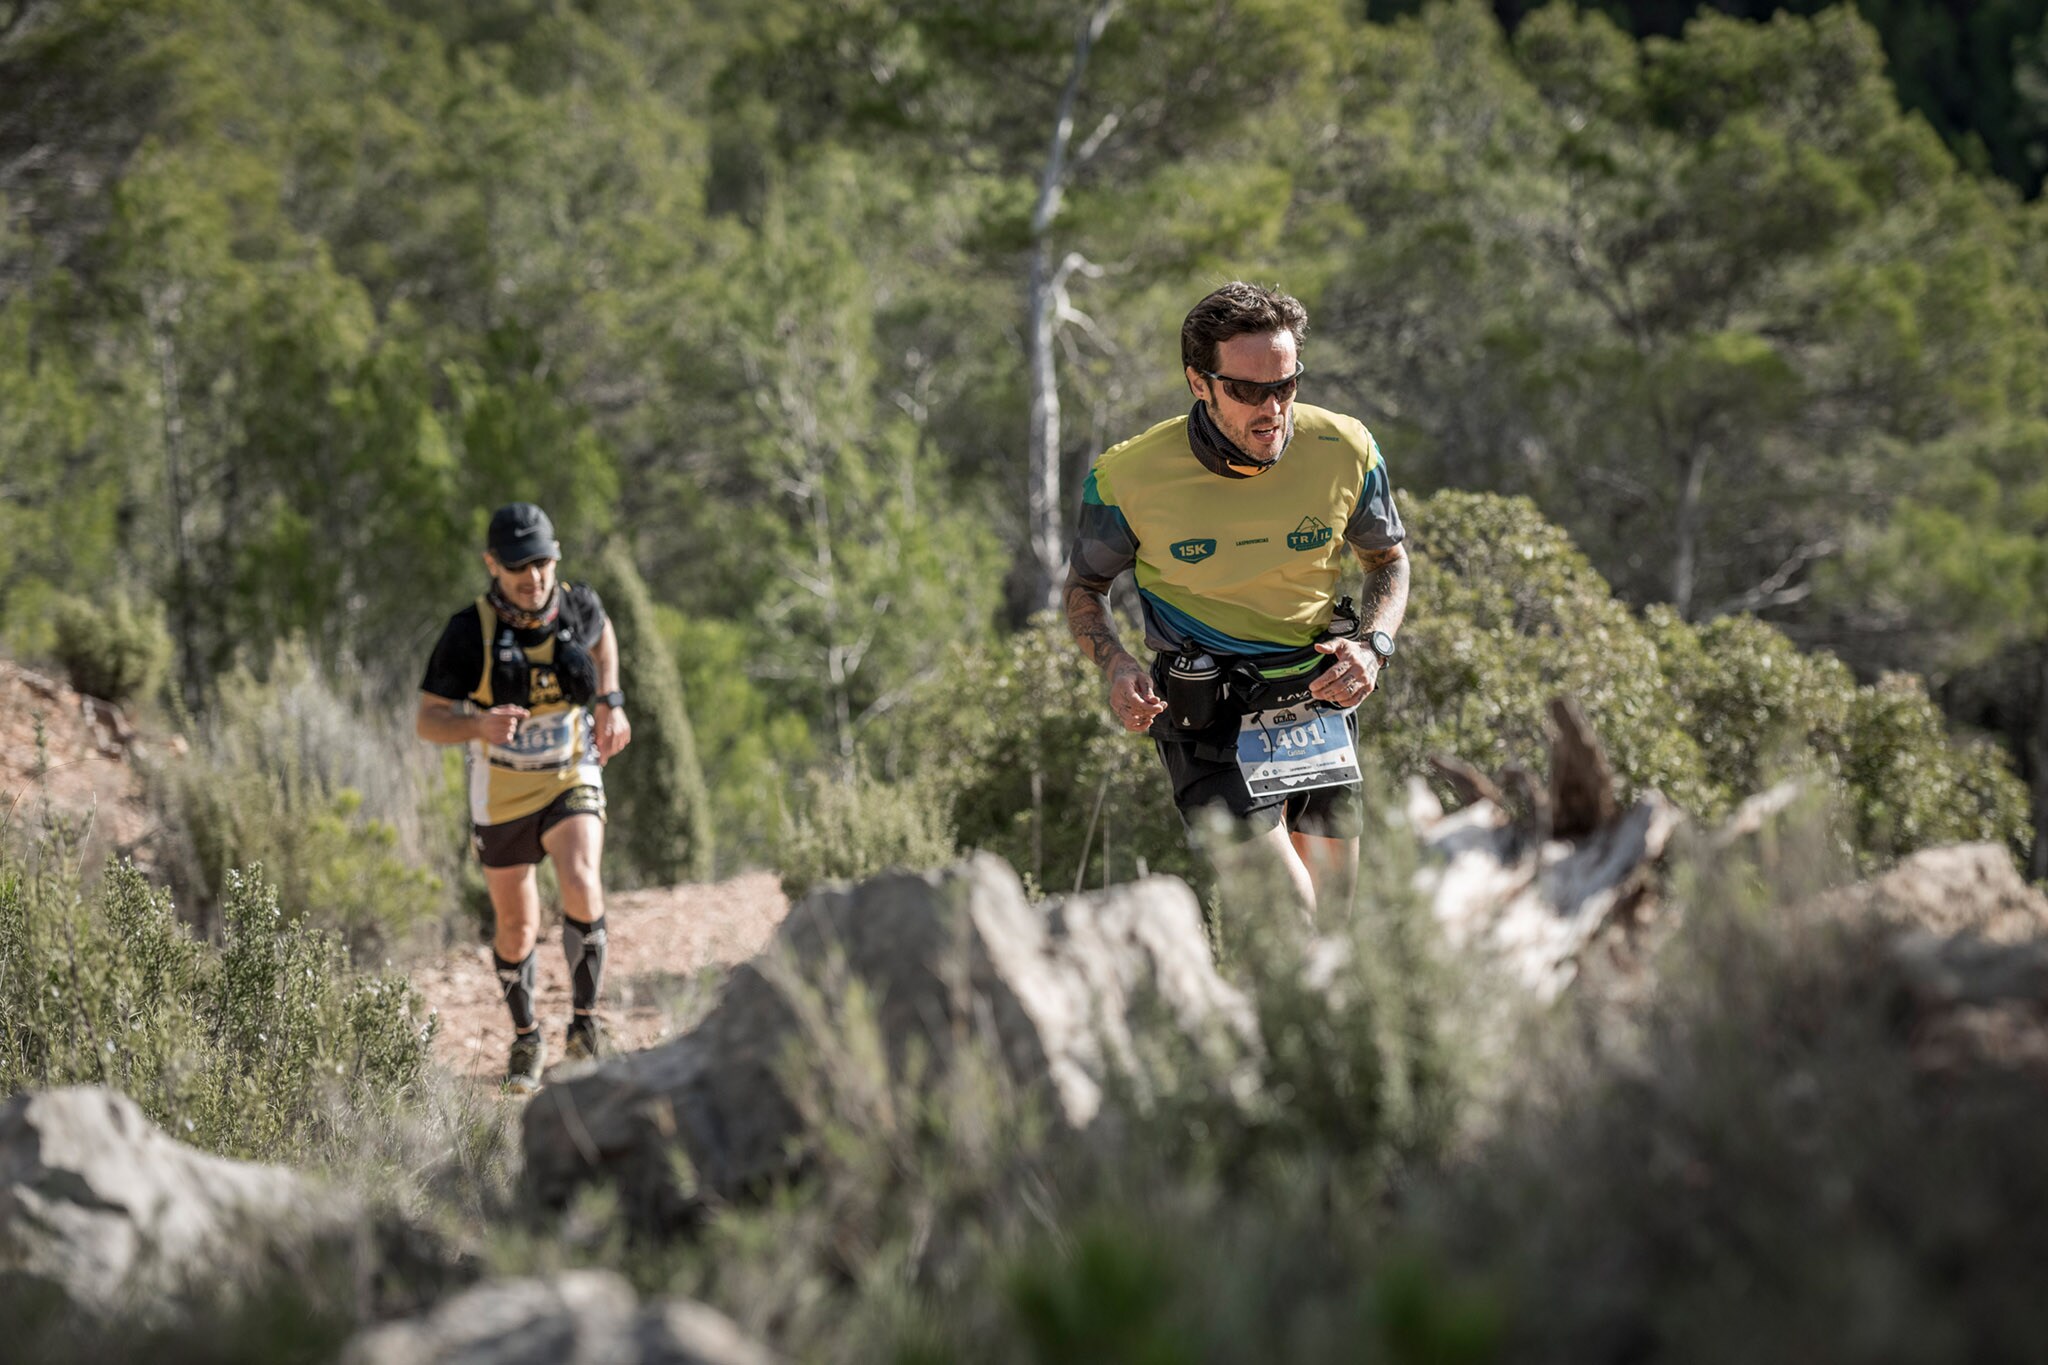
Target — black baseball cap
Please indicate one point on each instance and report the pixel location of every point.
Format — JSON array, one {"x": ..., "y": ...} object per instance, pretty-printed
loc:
[{"x": 521, "y": 533}]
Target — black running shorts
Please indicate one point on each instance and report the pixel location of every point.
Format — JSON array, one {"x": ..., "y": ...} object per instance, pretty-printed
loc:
[
  {"x": 516, "y": 843},
  {"x": 1204, "y": 772}
]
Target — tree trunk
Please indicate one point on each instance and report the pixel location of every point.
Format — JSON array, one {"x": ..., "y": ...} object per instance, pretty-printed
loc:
[
  {"x": 1043, "y": 498},
  {"x": 184, "y": 589},
  {"x": 1685, "y": 567},
  {"x": 1046, "y": 538}
]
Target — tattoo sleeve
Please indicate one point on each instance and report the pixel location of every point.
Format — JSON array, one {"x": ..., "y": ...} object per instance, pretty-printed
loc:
[
  {"x": 1383, "y": 601},
  {"x": 1087, "y": 602}
]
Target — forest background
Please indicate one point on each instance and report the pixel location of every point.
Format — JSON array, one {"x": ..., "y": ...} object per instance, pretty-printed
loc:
[{"x": 804, "y": 320}]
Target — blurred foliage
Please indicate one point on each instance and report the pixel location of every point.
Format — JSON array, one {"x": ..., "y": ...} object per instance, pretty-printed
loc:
[
  {"x": 117, "y": 652},
  {"x": 854, "y": 829},
  {"x": 659, "y": 828},
  {"x": 1975, "y": 71},
  {"x": 1015, "y": 743}
]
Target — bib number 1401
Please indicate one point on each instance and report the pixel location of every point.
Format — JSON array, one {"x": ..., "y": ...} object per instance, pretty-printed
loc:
[{"x": 1291, "y": 751}]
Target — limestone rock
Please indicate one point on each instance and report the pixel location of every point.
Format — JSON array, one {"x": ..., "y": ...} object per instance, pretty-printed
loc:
[
  {"x": 1962, "y": 888},
  {"x": 1055, "y": 990},
  {"x": 581, "y": 1317},
  {"x": 100, "y": 1206},
  {"x": 1965, "y": 939}
]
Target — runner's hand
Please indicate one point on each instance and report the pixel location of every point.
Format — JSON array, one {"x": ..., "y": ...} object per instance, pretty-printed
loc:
[
  {"x": 614, "y": 731},
  {"x": 500, "y": 723},
  {"x": 1132, "y": 696},
  {"x": 1351, "y": 679}
]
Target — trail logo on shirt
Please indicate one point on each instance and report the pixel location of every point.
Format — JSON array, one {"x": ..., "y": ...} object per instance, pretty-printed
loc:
[
  {"x": 1310, "y": 535},
  {"x": 1193, "y": 551}
]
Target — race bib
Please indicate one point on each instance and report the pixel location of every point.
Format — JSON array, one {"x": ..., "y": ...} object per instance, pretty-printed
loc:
[
  {"x": 1296, "y": 750},
  {"x": 542, "y": 743}
]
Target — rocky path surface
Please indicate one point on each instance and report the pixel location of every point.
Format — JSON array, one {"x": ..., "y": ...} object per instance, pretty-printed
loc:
[{"x": 667, "y": 946}]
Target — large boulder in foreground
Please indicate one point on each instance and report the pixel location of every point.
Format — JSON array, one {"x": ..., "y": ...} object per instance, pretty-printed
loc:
[
  {"x": 1962, "y": 940},
  {"x": 580, "y": 1315},
  {"x": 102, "y": 1210},
  {"x": 1057, "y": 991}
]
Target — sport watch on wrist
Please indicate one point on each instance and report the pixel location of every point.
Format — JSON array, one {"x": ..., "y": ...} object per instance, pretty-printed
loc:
[
  {"x": 613, "y": 698},
  {"x": 1381, "y": 644}
]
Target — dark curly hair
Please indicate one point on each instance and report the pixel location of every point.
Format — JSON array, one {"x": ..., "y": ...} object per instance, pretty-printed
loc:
[{"x": 1237, "y": 309}]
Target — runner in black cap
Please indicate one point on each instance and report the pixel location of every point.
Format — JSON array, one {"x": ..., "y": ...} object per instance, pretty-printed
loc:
[{"x": 527, "y": 677}]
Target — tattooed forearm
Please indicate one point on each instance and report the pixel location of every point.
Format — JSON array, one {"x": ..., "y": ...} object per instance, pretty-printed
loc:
[
  {"x": 1383, "y": 601},
  {"x": 1088, "y": 621}
]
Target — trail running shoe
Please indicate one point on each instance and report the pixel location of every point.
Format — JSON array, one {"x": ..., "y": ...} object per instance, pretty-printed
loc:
[
  {"x": 529, "y": 1055},
  {"x": 587, "y": 1042}
]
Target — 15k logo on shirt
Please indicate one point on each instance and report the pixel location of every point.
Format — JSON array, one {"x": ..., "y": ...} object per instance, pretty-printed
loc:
[
  {"x": 1193, "y": 551},
  {"x": 1310, "y": 535}
]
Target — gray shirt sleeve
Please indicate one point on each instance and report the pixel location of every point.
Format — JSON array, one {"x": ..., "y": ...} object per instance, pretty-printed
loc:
[
  {"x": 1104, "y": 544},
  {"x": 1375, "y": 523}
]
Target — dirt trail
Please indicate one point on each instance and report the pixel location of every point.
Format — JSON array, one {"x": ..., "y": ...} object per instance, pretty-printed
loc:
[{"x": 661, "y": 943}]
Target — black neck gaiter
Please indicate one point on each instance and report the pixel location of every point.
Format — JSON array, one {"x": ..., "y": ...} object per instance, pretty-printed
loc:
[
  {"x": 519, "y": 618},
  {"x": 1218, "y": 453}
]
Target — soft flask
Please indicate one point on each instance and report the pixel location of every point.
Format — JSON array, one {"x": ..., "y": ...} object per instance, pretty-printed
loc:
[{"x": 1194, "y": 690}]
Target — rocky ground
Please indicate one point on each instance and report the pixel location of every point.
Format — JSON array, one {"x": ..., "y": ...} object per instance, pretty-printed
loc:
[
  {"x": 71, "y": 759},
  {"x": 666, "y": 944}
]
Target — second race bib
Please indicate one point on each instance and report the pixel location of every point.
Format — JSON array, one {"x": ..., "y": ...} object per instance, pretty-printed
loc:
[{"x": 544, "y": 742}]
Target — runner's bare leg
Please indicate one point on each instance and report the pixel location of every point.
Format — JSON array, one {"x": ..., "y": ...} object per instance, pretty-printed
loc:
[
  {"x": 576, "y": 845},
  {"x": 515, "y": 899},
  {"x": 1276, "y": 844},
  {"x": 1332, "y": 865}
]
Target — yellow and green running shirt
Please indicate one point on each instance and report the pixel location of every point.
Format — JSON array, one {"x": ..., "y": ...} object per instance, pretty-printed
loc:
[
  {"x": 1239, "y": 565},
  {"x": 555, "y": 747}
]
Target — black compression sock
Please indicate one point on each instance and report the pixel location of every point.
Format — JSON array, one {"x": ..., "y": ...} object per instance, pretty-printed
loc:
[
  {"x": 583, "y": 946},
  {"x": 515, "y": 979}
]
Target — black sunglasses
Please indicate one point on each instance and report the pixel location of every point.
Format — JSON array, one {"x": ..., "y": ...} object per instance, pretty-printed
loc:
[{"x": 1253, "y": 393}]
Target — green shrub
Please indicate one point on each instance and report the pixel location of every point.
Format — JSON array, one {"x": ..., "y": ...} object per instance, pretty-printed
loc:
[
  {"x": 1507, "y": 614},
  {"x": 351, "y": 811},
  {"x": 660, "y": 827},
  {"x": 847, "y": 829},
  {"x": 116, "y": 652},
  {"x": 259, "y": 1048},
  {"x": 751, "y": 745},
  {"x": 1015, "y": 741},
  {"x": 1758, "y": 707},
  {"x": 1912, "y": 786}
]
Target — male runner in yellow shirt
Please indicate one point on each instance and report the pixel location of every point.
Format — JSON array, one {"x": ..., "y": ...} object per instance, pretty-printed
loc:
[{"x": 1234, "y": 520}]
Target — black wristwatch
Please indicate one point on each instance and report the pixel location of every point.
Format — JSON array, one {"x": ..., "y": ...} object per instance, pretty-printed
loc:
[
  {"x": 1380, "y": 643},
  {"x": 613, "y": 699}
]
